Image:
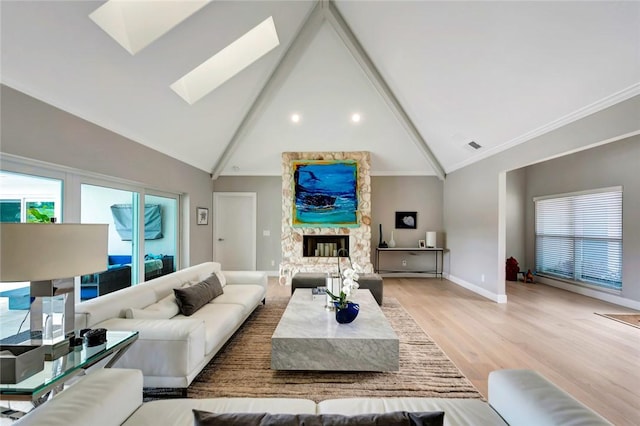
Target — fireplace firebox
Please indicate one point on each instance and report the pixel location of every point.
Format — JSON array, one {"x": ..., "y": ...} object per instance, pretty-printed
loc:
[{"x": 325, "y": 245}]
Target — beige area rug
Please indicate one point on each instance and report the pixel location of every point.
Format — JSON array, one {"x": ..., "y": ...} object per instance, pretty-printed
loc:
[
  {"x": 243, "y": 367},
  {"x": 630, "y": 319}
]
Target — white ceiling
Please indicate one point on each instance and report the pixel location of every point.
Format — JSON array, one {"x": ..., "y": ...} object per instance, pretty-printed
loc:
[{"x": 498, "y": 73}]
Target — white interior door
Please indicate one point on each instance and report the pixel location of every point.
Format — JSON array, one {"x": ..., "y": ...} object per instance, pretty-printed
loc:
[{"x": 234, "y": 230}]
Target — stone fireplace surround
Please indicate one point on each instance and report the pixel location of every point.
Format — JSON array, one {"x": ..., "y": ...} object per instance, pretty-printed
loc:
[{"x": 293, "y": 260}]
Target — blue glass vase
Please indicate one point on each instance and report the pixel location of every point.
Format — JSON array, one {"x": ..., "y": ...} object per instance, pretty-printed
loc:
[{"x": 348, "y": 314}]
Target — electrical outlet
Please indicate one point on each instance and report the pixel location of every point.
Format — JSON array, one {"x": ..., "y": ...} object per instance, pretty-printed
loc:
[
  {"x": 404, "y": 262},
  {"x": 273, "y": 263},
  {"x": 482, "y": 278}
]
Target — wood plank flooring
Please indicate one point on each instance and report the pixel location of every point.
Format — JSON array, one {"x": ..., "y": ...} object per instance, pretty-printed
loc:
[{"x": 552, "y": 331}]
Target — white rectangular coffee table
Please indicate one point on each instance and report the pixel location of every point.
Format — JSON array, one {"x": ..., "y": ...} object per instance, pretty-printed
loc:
[{"x": 308, "y": 337}]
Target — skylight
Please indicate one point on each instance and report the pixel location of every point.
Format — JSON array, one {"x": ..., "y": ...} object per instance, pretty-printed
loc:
[
  {"x": 228, "y": 62},
  {"x": 137, "y": 24}
]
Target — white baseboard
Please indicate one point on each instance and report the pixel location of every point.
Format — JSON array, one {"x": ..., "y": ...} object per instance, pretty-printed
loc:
[
  {"x": 611, "y": 298},
  {"x": 408, "y": 275},
  {"x": 498, "y": 298},
  {"x": 272, "y": 273}
]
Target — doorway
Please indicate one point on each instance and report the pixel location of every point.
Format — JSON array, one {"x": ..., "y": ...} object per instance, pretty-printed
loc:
[{"x": 234, "y": 230}]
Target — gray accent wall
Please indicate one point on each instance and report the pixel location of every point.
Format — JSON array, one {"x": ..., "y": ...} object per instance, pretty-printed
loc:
[
  {"x": 472, "y": 216},
  {"x": 268, "y": 191},
  {"x": 515, "y": 217},
  {"x": 389, "y": 194},
  {"x": 422, "y": 194},
  {"x": 613, "y": 164},
  {"x": 35, "y": 130}
]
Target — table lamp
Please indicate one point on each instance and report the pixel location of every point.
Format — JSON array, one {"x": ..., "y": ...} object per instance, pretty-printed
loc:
[{"x": 49, "y": 256}]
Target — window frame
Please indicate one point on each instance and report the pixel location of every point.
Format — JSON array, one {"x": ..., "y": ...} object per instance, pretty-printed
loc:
[{"x": 578, "y": 270}]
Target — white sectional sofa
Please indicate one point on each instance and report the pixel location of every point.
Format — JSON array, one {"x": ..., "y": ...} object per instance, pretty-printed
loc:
[
  {"x": 111, "y": 397},
  {"x": 171, "y": 348}
]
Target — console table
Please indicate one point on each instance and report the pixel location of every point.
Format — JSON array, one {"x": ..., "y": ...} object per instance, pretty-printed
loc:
[{"x": 437, "y": 252}]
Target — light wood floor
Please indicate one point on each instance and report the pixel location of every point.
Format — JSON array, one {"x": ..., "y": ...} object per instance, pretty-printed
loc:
[{"x": 552, "y": 331}]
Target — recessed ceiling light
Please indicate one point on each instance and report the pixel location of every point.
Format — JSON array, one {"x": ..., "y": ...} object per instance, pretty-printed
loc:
[
  {"x": 355, "y": 118},
  {"x": 228, "y": 62},
  {"x": 137, "y": 24},
  {"x": 295, "y": 118}
]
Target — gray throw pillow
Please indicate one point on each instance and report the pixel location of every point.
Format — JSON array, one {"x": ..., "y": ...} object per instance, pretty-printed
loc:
[
  {"x": 396, "y": 418},
  {"x": 194, "y": 297},
  {"x": 214, "y": 282}
]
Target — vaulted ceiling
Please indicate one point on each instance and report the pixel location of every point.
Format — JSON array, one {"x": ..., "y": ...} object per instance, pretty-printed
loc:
[{"x": 425, "y": 77}]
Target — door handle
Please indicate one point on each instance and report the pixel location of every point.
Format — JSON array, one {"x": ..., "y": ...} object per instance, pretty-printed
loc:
[{"x": 220, "y": 239}]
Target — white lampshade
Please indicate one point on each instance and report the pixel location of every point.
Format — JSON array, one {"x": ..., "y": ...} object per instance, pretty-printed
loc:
[
  {"x": 48, "y": 255},
  {"x": 39, "y": 251},
  {"x": 431, "y": 239}
]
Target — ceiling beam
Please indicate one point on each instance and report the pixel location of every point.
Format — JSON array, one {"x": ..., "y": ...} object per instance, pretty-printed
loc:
[
  {"x": 325, "y": 10},
  {"x": 360, "y": 55},
  {"x": 288, "y": 61}
]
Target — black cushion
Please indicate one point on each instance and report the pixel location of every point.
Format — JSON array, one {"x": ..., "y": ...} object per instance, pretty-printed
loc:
[
  {"x": 396, "y": 418},
  {"x": 194, "y": 297}
]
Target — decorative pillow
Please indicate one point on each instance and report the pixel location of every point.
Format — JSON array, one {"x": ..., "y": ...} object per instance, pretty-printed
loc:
[
  {"x": 192, "y": 298},
  {"x": 214, "y": 282},
  {"x": 165, "y": 308},
  {"x": 396, "y": 418},
  {"x": 221, "y": 278},
  {"x": 144, "y": 314}
]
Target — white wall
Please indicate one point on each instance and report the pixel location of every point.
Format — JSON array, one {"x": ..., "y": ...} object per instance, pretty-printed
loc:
[{"x": 472, "y": 199}]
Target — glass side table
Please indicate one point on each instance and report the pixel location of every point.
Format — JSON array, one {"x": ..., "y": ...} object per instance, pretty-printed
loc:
[{"x": 38, "y": 387}]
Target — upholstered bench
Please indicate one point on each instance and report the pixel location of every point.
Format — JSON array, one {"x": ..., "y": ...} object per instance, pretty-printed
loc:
[{"x": 371, "y": 282}]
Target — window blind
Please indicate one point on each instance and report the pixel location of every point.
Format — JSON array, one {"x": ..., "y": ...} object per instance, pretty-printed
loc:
[{"x": 579, "y": 237}]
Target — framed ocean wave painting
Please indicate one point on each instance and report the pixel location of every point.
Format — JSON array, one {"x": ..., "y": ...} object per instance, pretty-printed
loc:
[{"x": 325, "y": 193}]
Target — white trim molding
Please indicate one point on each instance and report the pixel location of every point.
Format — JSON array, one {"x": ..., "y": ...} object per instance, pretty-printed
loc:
[
  {"x": 606, "y": 102},
  {"x": 607, "y": 297},
  {"x": 498, "y": 298}
]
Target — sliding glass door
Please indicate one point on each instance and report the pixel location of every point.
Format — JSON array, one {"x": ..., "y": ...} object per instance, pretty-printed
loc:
[
  {"x": 118, "y": 208},
  {"x": 160, "y": 235},
  {"x": 136, "y": 220}
]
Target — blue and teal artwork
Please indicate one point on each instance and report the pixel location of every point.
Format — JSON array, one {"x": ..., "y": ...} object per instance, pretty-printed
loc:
[{"x": 325, "y": 193}]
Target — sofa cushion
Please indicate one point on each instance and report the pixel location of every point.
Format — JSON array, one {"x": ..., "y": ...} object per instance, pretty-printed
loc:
[
  {"x": 92, "y": 401},
  {"x": 396, "y": 418},
  {"x": 220, "y": 322},
  {"x": 246, "y": 295},
  {"x": 526, "y": 397},
  {"x": 459, "y": 411},
  {"x": 194, "y": 297}
]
